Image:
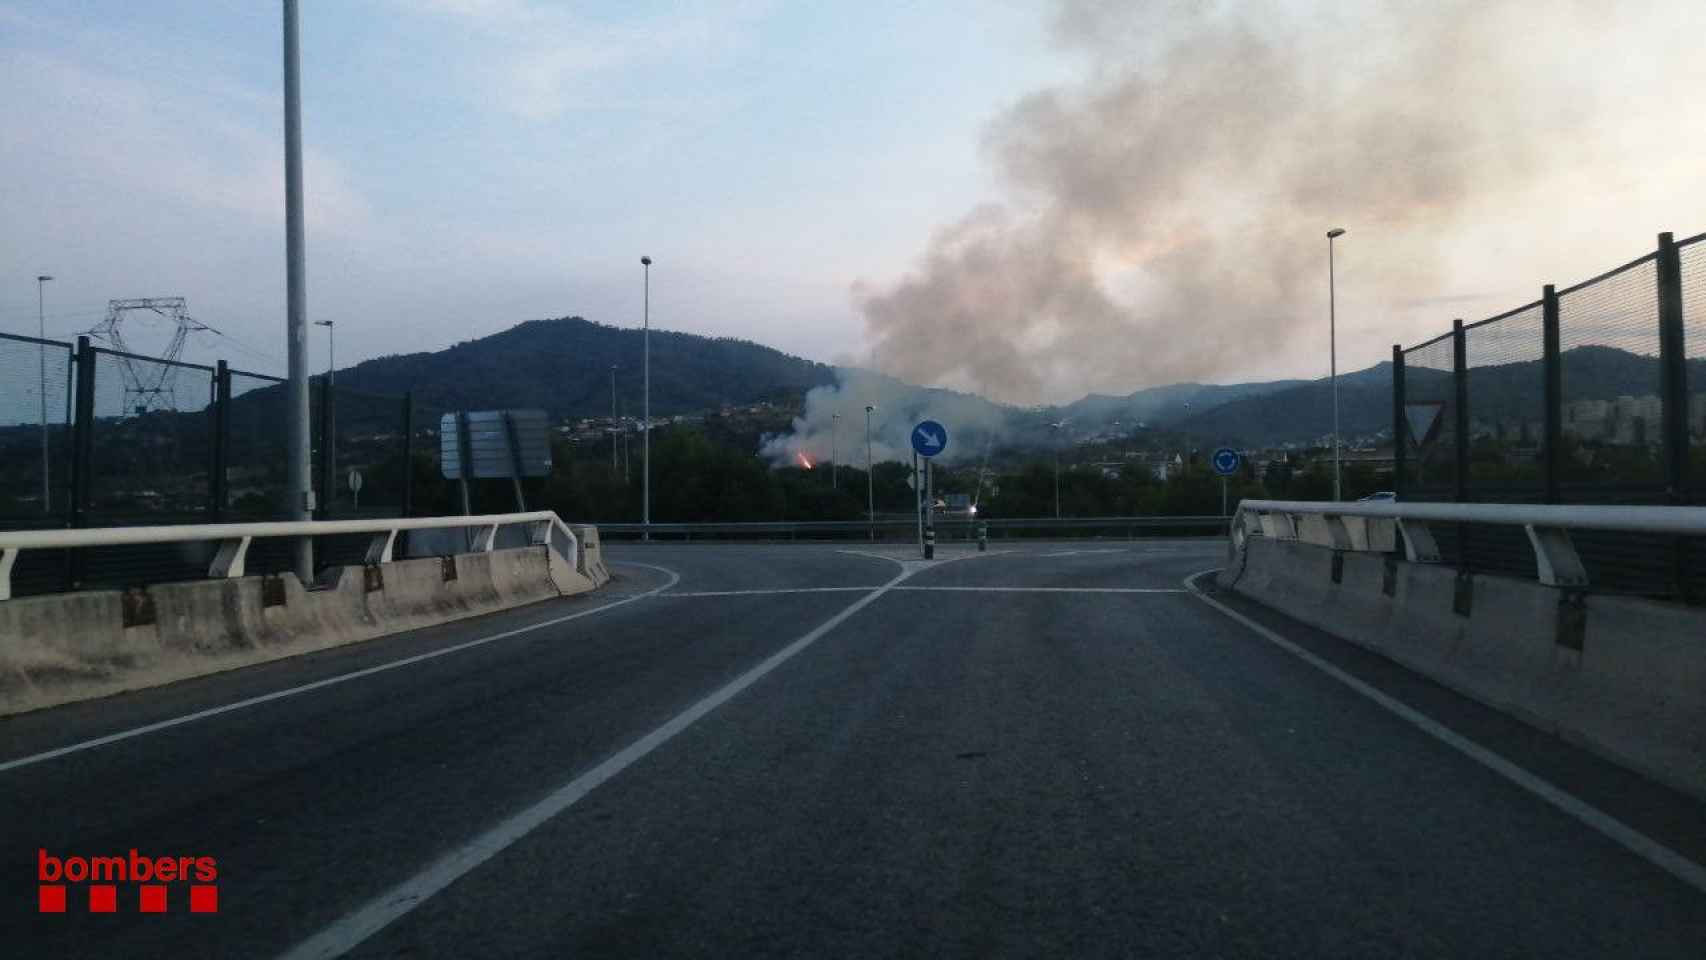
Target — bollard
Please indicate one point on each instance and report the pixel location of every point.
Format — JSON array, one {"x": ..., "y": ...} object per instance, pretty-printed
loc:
[
  {"x": 982, "y": 537},
  {"x": 930, "y": 542}
]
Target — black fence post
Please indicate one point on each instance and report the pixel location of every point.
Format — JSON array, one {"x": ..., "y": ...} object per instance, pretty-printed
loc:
[
  {"x": 409, "y": 453},
  {"x": 1400, "y": 432},
  {"x": 216, "y": 494},
  {"x": 1673, "y": 364},
  {"x": 82, "y": 454},
  {"x": 1553, "y": 365},
  {"x": 1460, "y": 382}
]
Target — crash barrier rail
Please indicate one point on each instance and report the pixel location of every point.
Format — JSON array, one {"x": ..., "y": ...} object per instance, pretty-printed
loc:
[
  {"x": 964, "y": 528},
  {"x": 1410, "y": 528},
  {"x": 233, "y": 539}
]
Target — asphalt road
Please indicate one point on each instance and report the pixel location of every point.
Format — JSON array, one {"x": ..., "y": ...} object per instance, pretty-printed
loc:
[{"x": 1047, "y": 750}]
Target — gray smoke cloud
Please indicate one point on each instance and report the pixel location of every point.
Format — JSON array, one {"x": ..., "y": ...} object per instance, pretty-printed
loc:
[
  {"x": 1166, "y": 216},
  {"x": 972, "y": 422}
]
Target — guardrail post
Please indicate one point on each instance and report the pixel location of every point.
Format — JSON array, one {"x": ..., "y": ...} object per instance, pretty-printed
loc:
[
  {"x": 1400, "y": 431},
  {"x": 216, "y": 495},
  {"x": 1553, "y": 366},
  {"x": 229, "y": 560}
]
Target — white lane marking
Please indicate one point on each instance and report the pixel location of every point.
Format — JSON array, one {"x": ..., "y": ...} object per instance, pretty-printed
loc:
[
  {"x": 760, "y": 593},
  {"x": 1049, "y": 589},
  {"x": 80, "y": 746},
  {"x": 1619, "y": 832},
  {"x": 1084, "y": 553},
  {"x": 373, "y": 916}
]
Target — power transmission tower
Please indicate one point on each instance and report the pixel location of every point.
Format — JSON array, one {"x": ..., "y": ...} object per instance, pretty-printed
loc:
[{"x": 148, "y": 388}]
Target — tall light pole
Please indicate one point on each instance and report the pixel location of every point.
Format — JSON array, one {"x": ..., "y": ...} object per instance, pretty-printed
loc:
[
  {"x": 298, "y": 481},
  {"x": 41, "y": 352},
  {"x": 646, "y": 481},
  {"x": 1333, "y": 352},
  {"x": 834, "y": 432},
  {"x": 870, "y": 485},
  {"x": 613, "y": 420},
  {"x": 329, "y": 413}
]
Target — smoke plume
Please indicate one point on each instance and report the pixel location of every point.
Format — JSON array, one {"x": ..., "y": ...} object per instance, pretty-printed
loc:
[{"x": 1165, "y": 217}]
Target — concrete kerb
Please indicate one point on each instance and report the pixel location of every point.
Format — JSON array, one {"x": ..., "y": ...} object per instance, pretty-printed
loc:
[
  {"x": 1635, "y": 692},
  {"x": 66, "y": 647}
]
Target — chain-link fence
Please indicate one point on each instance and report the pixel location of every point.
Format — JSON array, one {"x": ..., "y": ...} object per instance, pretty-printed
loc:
[
  {"x": 97, "y": 437},
  {"x": 1594, "y": 394},
  {"x": 367, "y": 474},
  {"x": 36, "y": 379},
  {"x": 150, "y": 456}
]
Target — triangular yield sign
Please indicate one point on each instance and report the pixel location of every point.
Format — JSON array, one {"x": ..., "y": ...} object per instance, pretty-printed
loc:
[{"x": 1423, "y": 419}]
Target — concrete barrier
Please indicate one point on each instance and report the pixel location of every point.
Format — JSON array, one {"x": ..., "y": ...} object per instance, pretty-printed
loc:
[
  {"x": 76, "y": 646},
  {"x": 1623, "y": 676},
  {"x": 592, "y": 556}
]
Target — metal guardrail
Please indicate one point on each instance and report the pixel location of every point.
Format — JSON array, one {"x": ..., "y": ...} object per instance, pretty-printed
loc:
[
  {"x": 1355, "y": 526},
  {"x": 806, "y": 529},
  {"x": 546, "y": 528}
]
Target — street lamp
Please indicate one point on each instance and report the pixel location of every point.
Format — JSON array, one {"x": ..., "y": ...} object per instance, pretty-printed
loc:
[
  {"x": 298, "y": 473},
  {"x": 329, "y": 416},
  {"x": 613, "y": 420},
  {"x": 1333, "y": 352},
  {"x": 41, "y": 352},
  {"x": 834, "y": 432},
  {"x": 646, "y": 436},
  {"x": 870, "y": 486}
]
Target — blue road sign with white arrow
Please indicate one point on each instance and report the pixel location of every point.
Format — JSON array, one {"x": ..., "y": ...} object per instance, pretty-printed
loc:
[
  {"x": 929, "y": 438},
  {"x": 1225, "y": 461}
]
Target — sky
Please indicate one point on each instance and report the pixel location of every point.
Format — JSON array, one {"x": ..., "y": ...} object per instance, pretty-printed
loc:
[{"x": 1032, "y": 199}]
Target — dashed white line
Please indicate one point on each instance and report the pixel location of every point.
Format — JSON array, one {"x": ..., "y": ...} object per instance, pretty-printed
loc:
[
  {"x": 134, "y": 732},
  {"x": 1616, "y": 830}
]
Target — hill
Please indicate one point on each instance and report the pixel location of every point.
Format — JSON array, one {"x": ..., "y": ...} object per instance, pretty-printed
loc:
[{"x": 563, "y": 366}]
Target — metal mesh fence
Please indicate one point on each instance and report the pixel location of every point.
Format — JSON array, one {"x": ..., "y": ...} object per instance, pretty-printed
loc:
[
  {"x": 1505, "y": 359},
  {"x": 256, "y": 446},
  {"x": 368, "y": 440},
  {"x": 1430, "y": 420},
  {"x": 152, "y": 446},
  {"x": 1612, "y": 396},
  {"x": 1692, "y": 253},
  {"x": 36, "y": 379}
]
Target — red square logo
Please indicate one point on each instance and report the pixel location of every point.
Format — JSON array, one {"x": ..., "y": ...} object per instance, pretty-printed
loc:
[
  {"x": 103, "y": 898},
  {"x": 51, "y": 900},
  {"x": 204, "y": 898},
  {"x": 153, "y": 899}
]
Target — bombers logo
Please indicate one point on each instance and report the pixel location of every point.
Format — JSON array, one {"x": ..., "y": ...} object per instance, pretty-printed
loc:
[{"x": 151, "y": 878}]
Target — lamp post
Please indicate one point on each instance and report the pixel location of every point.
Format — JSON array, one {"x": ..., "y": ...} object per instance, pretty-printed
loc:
[
  {"x": 1333, "y": 352},
  {"x": 329, "y": 416},
  {"x": 41, "y": 352},
  {"x": 870, "y": 485},
  {"x": 646, "y": 428},
  {"x": 613, "y": 420},
  {"x": 297, "y": 471},
  {"x": 834, "y": 433}
]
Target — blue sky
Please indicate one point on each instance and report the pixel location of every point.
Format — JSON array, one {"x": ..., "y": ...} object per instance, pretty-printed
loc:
[{"x": 475, "y": 163}]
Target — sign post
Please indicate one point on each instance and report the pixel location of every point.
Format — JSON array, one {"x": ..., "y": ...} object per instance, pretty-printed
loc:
[
  {"x": 1225, "y": 462},
  {"x": 929, "y": 439}
]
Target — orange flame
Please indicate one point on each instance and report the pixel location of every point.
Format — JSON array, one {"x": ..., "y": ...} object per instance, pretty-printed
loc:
[{"x": 803, "y": 461}]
